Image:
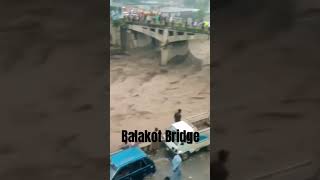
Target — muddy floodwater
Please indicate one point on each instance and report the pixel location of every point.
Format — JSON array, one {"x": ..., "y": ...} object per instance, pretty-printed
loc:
[{"x": 144, "y": 95}]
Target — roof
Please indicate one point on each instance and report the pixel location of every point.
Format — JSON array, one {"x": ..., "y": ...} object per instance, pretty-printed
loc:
[
  {"x": 126, "y": 156},
  {"x": 182, "y": 125},
  {"x": 177, "y": 9}
]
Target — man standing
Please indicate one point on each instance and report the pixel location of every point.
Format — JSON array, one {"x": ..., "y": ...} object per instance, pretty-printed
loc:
[
  {"x": 189, "y": 22},
  {"x": 171, "y": 21},
  {"x": 176, "y": 167},
  {"x": 155, "y": 145},
  {"x": 177, "y": 116},
  {"x": 149, "y": 18},
  {"x": 218, "y": 168}
]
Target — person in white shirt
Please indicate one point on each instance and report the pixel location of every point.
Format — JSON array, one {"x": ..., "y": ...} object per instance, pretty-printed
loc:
[{"x": 176, "y": 167}]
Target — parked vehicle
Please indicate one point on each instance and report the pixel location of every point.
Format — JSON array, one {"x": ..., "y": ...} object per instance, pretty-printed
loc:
[
  {"x": 199, "y": 123},
  {"x": 130, "y": 164}
]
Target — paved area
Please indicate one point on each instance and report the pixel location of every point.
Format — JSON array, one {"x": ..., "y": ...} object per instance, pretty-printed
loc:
[{"x": 196, "y": 167}]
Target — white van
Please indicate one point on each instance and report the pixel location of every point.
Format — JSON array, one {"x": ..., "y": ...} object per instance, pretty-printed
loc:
[{"x": 199, "y": 123}]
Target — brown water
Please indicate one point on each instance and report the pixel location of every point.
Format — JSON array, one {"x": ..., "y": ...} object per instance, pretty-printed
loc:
[{"x": 142, "y": 96}]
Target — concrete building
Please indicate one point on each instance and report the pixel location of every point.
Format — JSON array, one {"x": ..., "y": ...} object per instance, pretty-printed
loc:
[{"x": 178, "y": 12}]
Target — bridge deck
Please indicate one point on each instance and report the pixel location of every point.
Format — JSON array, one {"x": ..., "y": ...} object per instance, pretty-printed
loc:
[
  {"x": 166, "y": 34},
  {"x": 174, "y": 28}
]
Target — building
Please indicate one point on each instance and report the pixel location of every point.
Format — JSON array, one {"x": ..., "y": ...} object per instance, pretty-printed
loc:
[{"x": 178, "y": 12}]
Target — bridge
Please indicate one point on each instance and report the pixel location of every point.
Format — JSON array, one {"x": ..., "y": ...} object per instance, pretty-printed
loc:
[
  {"x": 167, "y": 35},
  {"x": 172, "y": 41}
]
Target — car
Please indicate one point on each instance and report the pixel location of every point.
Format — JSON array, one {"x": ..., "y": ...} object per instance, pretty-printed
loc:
[
  {"x": 131, "y": 164},
  {"x": 198, "y": 123}
]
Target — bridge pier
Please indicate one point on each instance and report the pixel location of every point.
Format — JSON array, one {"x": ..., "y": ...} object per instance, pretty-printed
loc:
[
  {"x": 173, "y": 42},
  {"x": 115, "y": 35},
  {"x": 172, "y": 50},
  {"x": 164, "y": 56},
  {"x": 137, "y": 39},
  {"x": 124, "y": 38}
]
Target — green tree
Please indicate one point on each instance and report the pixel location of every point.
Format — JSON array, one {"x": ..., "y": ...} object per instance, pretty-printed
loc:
[{"x": 200, "y": 15}]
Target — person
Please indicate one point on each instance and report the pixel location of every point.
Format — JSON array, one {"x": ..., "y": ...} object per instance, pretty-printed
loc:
[
  {"x": 112, "y": 14},
  {"x": 156, "y": 18},
  {"x": 161, "y": 18},
  {"x": 167, "y": 178},
  {"x": 171, "y": 20},
  {"x": 166, "y": 21},
  {"x": 176, "y": 167},
  {"x": 195, "y": 24},
  {"x": 145, "y": 18},
  {"x": 219, "y": 170},
  {"x": 133, "y": 144},
  {"x": 172, "y": 23},
  {"x": 155, "y": 145},
  {"x": 130, "y": 18},
  {"x": 141, "y": 18},
  {"x": 127, "y": 145},
  {"x": 177, "y": 116},
  {"x": 189, "y": 22},
  {"x": 206, "y": 24},
  {"x": 153, "y": 19},
  {"x": 149, "y": 18}
]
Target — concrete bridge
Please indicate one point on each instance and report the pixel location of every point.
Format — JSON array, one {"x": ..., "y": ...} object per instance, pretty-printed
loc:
[
  {"x": 172, "y": 42},
  {"x": 167, "y": 35}
]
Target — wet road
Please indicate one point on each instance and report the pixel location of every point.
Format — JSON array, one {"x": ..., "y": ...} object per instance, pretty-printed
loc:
[{"x": 196, "y": 167}]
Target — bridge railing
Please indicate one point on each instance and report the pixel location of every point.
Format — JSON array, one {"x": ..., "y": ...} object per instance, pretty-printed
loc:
[{"x": 173, "y": 27}]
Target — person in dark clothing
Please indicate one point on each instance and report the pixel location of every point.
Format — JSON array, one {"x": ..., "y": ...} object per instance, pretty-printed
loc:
[
  {"x": 177, "y": 116},
  {"x": 165, "y": 21},
  {"x": 155, "y": 145},
  {"x": 172, "y": 23},
  {"x": 218, "y": 169}
]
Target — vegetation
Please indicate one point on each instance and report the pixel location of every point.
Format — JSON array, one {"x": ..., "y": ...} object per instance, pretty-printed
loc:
[
  {"x": 119, "y": 23},
  {"x": 200, "y": 14},
  {"x": 116, "y": 23}
]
